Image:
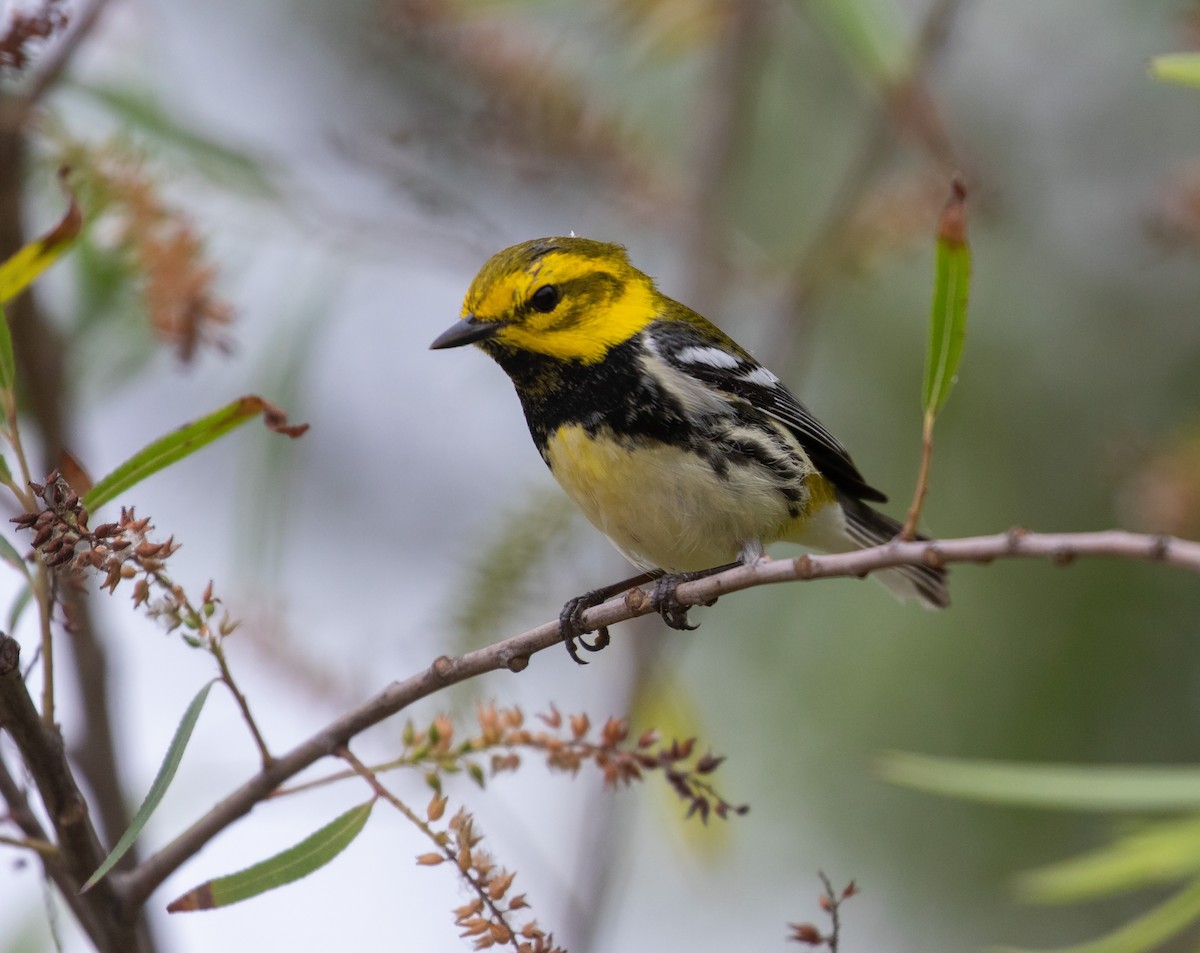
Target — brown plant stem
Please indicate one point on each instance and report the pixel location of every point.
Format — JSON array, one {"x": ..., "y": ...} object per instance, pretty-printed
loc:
[
  {"x": 217, "y": 649},
  {"x": 914, "y": 511},
  {"x": 343, "y": 752}
]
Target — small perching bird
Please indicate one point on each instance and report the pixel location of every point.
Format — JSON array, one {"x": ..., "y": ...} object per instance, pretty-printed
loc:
[{"x": 675, "y": 442}]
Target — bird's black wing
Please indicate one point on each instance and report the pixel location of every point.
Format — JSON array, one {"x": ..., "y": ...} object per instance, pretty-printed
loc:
[{"x": 720, "y": 363}]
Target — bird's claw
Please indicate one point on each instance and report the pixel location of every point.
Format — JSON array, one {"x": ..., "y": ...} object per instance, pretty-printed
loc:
[
  {"x": 667, "y": 605},
  {"x": 572, "y": 630},
  {"x": 570, "y": 619}
]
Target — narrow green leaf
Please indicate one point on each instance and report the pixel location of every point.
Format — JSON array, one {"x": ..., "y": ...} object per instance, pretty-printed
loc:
[
  {"x": 1148, "y": 931},
  {"x": 185, "y": 441},
  {"x": 312, "y": 853},
  {"x": 9, "y": 554},
  {"x": 8, "y": 361},
  {"x": 166, "y": 774},
  {"x": 19, "y": 605},
  {"x": 19, "y": 271},
  {"x": 1161, "y": 852},
  {"x": 6, "y": 476},
  {"x": 1182, "y": 69},
  {"x": 948, "y": 316},
  {"x": 1056, "y": 786}
]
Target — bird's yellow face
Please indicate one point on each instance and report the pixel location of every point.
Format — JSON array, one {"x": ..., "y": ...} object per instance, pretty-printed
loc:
[{"x": 571, "y": 299}]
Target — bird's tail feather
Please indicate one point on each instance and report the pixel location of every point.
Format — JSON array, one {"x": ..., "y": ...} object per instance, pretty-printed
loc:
[{"x": 868, "y": 527}]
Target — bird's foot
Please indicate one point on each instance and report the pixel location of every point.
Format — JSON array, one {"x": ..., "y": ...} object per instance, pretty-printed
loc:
[
  {"x": 570, "y": 619},
  {"x": 667, "y": 605},
  {"x": 570, "y": 624}
]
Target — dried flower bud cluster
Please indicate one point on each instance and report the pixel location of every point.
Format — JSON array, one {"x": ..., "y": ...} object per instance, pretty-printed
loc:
[
  {"x": 567, "y": 746},
  {"x": 158, "y": 243},
  {"x": 622, "y": 762},
  {"x": 486, "y": 920},
  {"x": 116, "y": 551},
  {"x": 62, "y": 537}
]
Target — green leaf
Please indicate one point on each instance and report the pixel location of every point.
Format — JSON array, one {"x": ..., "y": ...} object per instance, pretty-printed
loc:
[
  {"x": 19, "y": 605},
  {"x": 19, "y": 271},
  {"x": 312, "y": 853},
  {"x": 1148, "y": 931},
  {"x": 1161, "y": 852},
  {"x": 1056, "y": 786},
  {"x": 1182, "y": 69},
  {"x": 9, "y": 554},
  {"x": 186, "y": 441},
  {"x": 8, "y": 361},
  {"x": 166, "y": 774},
  {"x": 948, "y": 317}
]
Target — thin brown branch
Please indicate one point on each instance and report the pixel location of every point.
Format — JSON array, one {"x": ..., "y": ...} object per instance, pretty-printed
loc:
[
  {"x": 514, "y": 653},
  {"x": 93, "y": 748},
  {"x": 43, "y": 590},
  {"x": 19, "y": 811},
  {"x": 831, "y": 903},
  {"x": 914, "y": 511},
  {"x": 42, "y": 847},
  {"x": 442, "y": 846},
  {"x": 217, "y": 650}
]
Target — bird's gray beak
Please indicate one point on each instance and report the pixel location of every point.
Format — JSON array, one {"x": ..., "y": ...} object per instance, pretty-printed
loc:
[{"x": 466, "y": 331}]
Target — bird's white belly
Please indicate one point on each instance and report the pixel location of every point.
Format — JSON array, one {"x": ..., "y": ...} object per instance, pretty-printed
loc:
[{"x": 664, "y": 507}]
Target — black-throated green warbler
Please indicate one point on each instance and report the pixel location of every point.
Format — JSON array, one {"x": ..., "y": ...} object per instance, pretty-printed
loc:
[{"x": 678, "y": 445}]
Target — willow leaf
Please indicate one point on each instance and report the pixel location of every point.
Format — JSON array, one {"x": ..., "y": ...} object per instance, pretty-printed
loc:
[
  {"x": 1056, "y": 786},
  {"x": 948, "y": 316},
  {"x": 1183, "y": 69},
  {"x": 19, "y": 271},
  {"x": 312, "y": 853},
  {"x": 1147, "y": 932},
  {"x": 162, "y": 780},
  {"x": 185, "y": 441}
]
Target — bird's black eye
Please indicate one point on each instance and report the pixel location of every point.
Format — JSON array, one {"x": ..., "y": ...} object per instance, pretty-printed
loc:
[{"x": 545, "y": 299}]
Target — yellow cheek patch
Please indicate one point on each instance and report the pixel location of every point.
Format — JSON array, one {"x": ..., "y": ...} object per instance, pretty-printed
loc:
[
  {"x": 582, "y": 330},
  {"x": 605, "y": 301}
]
